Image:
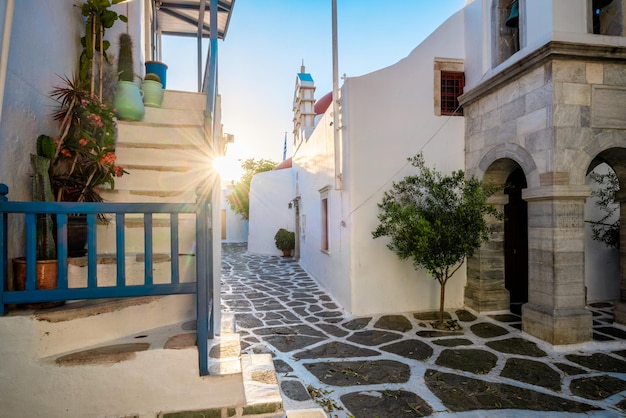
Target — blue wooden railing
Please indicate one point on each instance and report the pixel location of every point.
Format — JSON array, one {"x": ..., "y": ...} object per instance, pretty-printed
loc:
[{"x": 202, "y": 287}]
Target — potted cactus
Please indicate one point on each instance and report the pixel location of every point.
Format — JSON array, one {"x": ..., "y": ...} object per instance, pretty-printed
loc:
[
  {"x": 152, "y": 90},
  {"x": 128, "y": 101},
  {"x": 46, "y": 269}
]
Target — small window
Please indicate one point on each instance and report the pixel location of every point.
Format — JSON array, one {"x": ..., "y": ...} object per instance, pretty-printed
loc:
[
  {"x": 452, "y": 84},
  {"x": 449, "y": 82},
  {"x": 324, "y": 217},
  {"x": 223, "y": 219}
]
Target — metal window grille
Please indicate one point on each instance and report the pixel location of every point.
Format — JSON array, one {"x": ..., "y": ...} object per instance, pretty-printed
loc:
[{"x": 452, "y": 84}]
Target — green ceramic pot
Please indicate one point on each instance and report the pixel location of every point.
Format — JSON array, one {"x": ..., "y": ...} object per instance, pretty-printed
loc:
[
  {"x": 128, "y": 101},
  {"x": 152, "y": 93}
]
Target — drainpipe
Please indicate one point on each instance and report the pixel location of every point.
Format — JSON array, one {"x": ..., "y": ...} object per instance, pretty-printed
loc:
[
  {"x": 6, "y": 41},
  {"x": 336, "y": 133}
]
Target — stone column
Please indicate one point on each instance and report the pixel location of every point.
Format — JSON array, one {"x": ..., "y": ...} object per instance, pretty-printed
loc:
[
  {"x": 485, "y": 289},
  {"x": 620, "y": 307},
  {"x": 555, "y": 311}
]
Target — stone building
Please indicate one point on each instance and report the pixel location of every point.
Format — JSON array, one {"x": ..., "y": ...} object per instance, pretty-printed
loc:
[
  {"x": 543, "y": 123},
  {"x": 531, "y": 93}
]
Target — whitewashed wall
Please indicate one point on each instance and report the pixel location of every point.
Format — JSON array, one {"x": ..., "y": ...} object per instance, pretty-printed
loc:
[
  {"x": 391, "y": 117},
  {"x": 44, "y": 45},
  {"x": 236, "y": 226},
  {"x": 602, "y": 277},
  {"x": 550, "y": 20},
  {"x": 314, "y": 167},
  {"x": 38, "y": 52},
  {"x": 270, "y": 194},
  {"x": 387, "y": 116}
]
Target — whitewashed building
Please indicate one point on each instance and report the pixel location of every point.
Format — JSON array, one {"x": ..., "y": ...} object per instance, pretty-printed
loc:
[{"x": 529, "y": 92}]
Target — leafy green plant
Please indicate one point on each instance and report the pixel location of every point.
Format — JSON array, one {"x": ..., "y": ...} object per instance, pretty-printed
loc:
[
  {"x": 84, "y": 156},
  {"x": 239, "y": 198},
  {"x": 99, "y": 18},
  {"x": 602, "y": 230},
  {"x": 285, "y": 240},
  {"x": 436, "y": 220}
]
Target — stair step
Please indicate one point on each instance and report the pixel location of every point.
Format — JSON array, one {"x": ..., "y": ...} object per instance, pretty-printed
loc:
[
  {"x": 163, "y": 157},
  {"x": 103, "y": 355},
  {"x": 87, "y": 308},
  {"x": 172, "y": 117},
  {"x": 178, "y": 135},
  {"x": 105, "y": 322},
  {"x": 176, "y": 99},
  {"x": 106, "y": 268},
  {"x": 150, "y": 179},
  {"x": 224, "y": 350},
  {"x": 147, "y": 196},
  {"x": 161, "y": 236}
]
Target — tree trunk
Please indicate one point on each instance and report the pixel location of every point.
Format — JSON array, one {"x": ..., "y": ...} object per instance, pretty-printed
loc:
[{"x": 442, "y": 296}]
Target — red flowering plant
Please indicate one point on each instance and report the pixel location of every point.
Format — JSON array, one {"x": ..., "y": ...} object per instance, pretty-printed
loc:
[{"x": 84, "y": 156}]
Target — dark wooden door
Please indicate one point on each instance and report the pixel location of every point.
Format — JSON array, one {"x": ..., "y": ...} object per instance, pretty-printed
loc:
[{"x": 516, "y": 242}]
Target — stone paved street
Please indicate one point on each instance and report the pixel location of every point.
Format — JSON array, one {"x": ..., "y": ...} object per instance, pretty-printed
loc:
[{"x": 396, "y": 366}]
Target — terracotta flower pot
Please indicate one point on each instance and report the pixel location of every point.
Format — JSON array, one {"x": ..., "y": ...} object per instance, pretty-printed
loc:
[{"x": 46, "y": 272}]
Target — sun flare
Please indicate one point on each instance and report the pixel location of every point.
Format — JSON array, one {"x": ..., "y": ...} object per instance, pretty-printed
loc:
[{"x": 228, "y": 167}]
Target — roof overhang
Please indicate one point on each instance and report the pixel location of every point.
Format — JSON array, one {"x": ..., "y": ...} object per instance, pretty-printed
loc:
[{"x": 181, "y": 17}]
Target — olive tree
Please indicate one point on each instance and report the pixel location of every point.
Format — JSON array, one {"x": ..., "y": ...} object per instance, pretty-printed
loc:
[
  {"x": 239, "y": 198},
  {"x": 436, "y": 220},
  {"x": 603, "y": 229}
]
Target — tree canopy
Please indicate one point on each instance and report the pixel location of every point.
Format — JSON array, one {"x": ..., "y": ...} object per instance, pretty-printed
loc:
[
  {"x": 603, "y": 229},
  {"x": 436, "y": 220},
  {"x": 239, "y": 198}
]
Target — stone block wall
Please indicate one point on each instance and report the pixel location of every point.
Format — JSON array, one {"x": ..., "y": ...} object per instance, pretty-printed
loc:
[{"x": 551, "y": 116}]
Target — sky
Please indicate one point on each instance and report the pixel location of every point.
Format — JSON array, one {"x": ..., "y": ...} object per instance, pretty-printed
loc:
[{"x": 267, "y": 42}]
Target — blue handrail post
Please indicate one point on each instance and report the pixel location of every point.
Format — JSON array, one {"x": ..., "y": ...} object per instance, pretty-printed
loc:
[
  {"x": 202, "y": 308},
  {"x": 210, "y": 269},
  {"x": 4, "y": 264}
]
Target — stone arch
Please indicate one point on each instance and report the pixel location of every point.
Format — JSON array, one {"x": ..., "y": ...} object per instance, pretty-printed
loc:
[
  {"x": 607, "y": 146},
  {"x": 615, "y": 157},
  {"x": 486, "y": 289},
  {"x": 508, "y": 156}
]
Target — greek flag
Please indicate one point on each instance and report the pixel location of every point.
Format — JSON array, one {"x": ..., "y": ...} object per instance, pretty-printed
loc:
[{"x": 285, "y": 148}]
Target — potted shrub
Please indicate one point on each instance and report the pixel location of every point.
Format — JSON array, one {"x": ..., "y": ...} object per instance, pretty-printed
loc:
[
  {"x": 285, "y": 241},
  {"x": 127, "y": 101},
  {"x": 84, "y": 154}
]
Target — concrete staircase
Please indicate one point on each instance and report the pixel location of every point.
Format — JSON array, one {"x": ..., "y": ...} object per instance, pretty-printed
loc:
[
  {"x": 128, "y": 357},
  {"x": 166, "y": 156},
  {"x": 136, "y": 357}
]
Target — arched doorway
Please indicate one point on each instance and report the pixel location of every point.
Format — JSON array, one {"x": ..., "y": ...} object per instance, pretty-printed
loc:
[
  {"x": 612, "y": 288},
  {"x": 516, "y": 241},
  {"x": 497, "y": 274}
]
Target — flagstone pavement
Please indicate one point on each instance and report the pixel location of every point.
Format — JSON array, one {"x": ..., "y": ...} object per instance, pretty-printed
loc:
[{"x": 393, "y": 366}]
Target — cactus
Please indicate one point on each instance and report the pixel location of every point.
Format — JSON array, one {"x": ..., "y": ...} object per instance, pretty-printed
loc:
[
  {"x": 152, "y": 77},
  {"x": 45, "y": 146},
  {"x": 125, "y": 58},
  {"x": 42, "y": 192}
]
